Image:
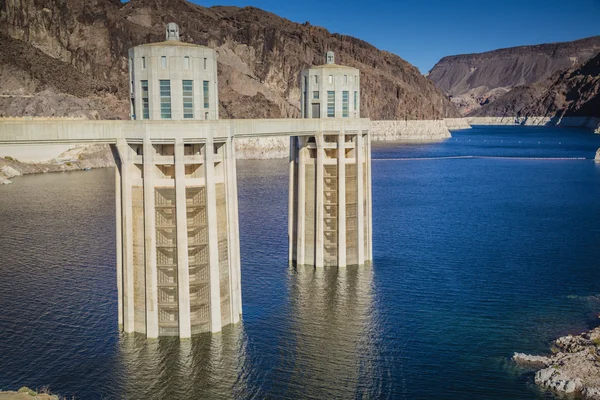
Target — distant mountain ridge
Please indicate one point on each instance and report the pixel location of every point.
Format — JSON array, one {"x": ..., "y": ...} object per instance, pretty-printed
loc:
[
  {"x": 260, "y": 56},
  {"x": 472, "y": 80},
  {"x": 574, "y": 92}
]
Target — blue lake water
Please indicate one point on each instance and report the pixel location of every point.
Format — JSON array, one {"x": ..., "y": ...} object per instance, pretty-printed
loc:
[{"x": 475, "y": 258}]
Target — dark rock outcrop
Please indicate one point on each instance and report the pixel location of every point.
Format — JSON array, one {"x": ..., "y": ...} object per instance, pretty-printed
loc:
[
  {"x": 473, "y": 80},
  {"x": 574, "y": 92},
  {"x": 260, "y": 58}
]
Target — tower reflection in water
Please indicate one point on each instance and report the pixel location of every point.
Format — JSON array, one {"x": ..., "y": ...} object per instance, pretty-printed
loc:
[{"x": 325, "y": 345}]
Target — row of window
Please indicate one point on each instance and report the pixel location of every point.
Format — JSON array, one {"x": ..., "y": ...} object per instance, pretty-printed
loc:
[
  {"x": 316, "y": 78},
  {"x": 163, "y": 62},
  {"x": 345, "y": 102},
  {"x": 165, "y": 98}
]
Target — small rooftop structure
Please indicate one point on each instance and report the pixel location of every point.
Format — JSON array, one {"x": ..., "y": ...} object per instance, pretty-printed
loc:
[
  {"x": 330, "y": 57},
  {"x": 172, "y": 31}
]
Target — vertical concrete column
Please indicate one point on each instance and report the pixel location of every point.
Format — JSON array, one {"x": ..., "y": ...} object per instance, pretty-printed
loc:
[
  {"x": 291, "y": 196},
  {"x": 150, "y": 240},
  {"x": 183, "y": 270},
  {"x": 360, "y": 198},
  {"x": 301, "y": 224},
  {"x": 213, "y": 236},
  {"x": 119, "y": 234},
  {"x": 127, "y": 235},
  {"x": 320, "y": 201},
  {"x": 369, "y": 254},
  {"x": 236, "y": 214},
  {"x": 342, "y": 198},
  {"x": 231, "y": 232}
]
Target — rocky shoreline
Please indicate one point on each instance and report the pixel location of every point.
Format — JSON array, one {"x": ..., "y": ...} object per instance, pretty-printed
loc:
[
  {"x": 76, "y": 159},
  {"x": 577, "y": 122},
  {"x": 573, "y": 367}
]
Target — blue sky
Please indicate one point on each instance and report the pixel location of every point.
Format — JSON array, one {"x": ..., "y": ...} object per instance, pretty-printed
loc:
[{"x": 423, "y": 31}]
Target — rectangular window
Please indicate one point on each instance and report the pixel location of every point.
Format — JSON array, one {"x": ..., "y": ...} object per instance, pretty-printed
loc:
[
  {"x": 165, "y": 99},
  {"x": 345, "y": 78},
  {"x": 188, "y": 99},
  {"x": 206, "y": 116},
  {"x": 355, "y": 100},
  {"x": 186, "y": 62},
  {"x": 163, "y": 62},
  {"x": 345, "y": 103},
  {"x": 316, "y": 95},
  {"x": 143, "y": 62},
  {"x": 331, "y": 104},
  {"x": 316, "y": 79},
  {"x": 145, "y": 106},
  {"x": 206, "y": 94},
  {"x": 330, "y": 78},
  {"x": 205, "y": 63}
]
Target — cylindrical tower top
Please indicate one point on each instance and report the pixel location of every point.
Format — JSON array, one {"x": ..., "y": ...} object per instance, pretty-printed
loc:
[{"x": 172, "y": 31}]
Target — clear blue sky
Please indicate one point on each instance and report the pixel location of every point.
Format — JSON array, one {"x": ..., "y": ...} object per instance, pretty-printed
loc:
[{"x": 423, "y": 31}]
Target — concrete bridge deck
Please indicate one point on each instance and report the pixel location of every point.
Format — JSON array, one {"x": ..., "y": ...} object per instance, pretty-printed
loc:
[{"x": 88, "y": 131}]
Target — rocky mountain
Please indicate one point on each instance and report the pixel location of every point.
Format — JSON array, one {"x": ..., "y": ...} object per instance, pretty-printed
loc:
[
  {"x": 473, "y": 80},
  {"x": 574, "y": 92},
  {"x": 69, "y": 57}
]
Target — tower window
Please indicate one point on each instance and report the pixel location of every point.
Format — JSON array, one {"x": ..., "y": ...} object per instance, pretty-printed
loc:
[
  {"x": 186, "y": 62},
  {"x": 163, "y": 62},
  {"x": 205, "y": 63},
  {"x": 355, "y": 100},
  {"x": 345, "y": 78},
  {"x": 331, "y": 104},
  {"x": 143, "y": 62},
  {"x": 145, "y": 104},
  {"x": 316, "y": 95},
  {"x": 330, "y": 78},
  {"x": 188, "y": 99},
  {"x": 345, "y": 101},
  {"x": 316, "y": 79},
  {"x": 206, "y": 94},
  {"x": 165, "y": 99}
]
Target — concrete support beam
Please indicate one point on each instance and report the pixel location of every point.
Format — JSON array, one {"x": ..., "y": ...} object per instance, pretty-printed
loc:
[
  {"x": 301, "y": 223},
  {"x": 236, "y": 243},
  {"x": 150, "y": 241},
  {"x": 127, "y": 235},
  {"x": 119, "y": 234},
  {"x": 360, "y": 198},
  {"x": 291, "y": 196},
  {"x": 320, "y": 202},
  {"x": 342, "y": 199},
  {"x": 213, "y": 236},
  {"x": 232, "y": 236},
  {"x": 369, "y": 221},
  {"x": 183, "y": 271}
]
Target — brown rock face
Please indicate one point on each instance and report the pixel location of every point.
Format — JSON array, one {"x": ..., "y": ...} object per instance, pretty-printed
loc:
[
  {"x": 473, "y": 80},
  {"x": 260, "y": 58},
  {"x": 574, "y": 92}
]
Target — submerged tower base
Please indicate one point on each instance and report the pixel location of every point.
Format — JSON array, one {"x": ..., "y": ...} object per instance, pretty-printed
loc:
[
  {"x": 330, "y": 199},
  {"x": 178, "y": 265}
]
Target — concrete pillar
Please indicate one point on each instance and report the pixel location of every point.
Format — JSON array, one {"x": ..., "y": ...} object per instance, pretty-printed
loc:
[
  {"x": 150, "y": 241},
  {"x": 231, "y": 233},
  {"x": 369, "y": 221},
  {"x": 119, "y": 234},
  {"x": 183, "y": 271},
  {"x": 342, "y": 198},
  {"x": 360, "y": 198},
  {"x": 291, "y": 196},
  {"x": 213, "y": 237},
  {"x": 300, "y": 226},
  {"x": 127, "y": 235},
  {"x": 236, "y": 247},
  {"x": 320, "y": 202}
]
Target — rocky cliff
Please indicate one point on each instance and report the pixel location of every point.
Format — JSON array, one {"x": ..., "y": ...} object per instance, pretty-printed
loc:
[
  {"x": 574, "y": 92},
  {"x": 473, "y": 80},
  {"x": 69, "y": 57}
]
